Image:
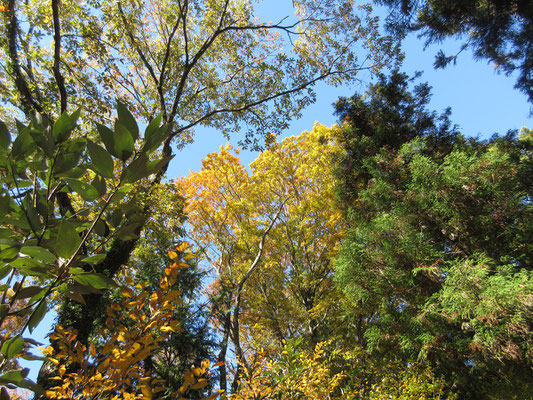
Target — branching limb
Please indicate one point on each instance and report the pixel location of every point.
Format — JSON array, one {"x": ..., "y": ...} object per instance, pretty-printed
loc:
[{"x": 27, "y": 101}]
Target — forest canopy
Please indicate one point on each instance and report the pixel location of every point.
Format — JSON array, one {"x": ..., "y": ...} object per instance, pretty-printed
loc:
[{"x": 386, "y": 256}]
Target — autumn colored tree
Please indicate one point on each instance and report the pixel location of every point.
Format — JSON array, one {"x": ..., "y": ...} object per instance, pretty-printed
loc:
[
  {"x": 185, "y": 63},
  {"x": 269, "y": 235},
  {"x": 120, "y": 362}
]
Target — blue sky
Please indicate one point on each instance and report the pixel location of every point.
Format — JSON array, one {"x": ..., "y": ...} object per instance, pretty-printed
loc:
[{"x": 483, "y": 102}]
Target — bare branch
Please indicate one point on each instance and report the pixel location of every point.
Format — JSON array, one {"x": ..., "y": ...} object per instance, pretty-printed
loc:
[
  {"x": 145, "y": 61},
  {"x": 60, "y": 79}
]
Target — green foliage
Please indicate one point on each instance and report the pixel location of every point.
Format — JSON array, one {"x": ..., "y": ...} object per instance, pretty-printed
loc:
[
  {"x": 46, "y": 249},
  {"x": 438, "y": 259}
]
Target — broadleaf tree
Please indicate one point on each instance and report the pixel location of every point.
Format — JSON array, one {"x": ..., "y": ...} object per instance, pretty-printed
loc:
[
  {"x": 269, "y": 235},
  {"x": 182, "y": 63}
]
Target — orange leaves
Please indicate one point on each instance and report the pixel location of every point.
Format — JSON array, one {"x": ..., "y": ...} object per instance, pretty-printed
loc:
[{"x": 135, "y": 328}]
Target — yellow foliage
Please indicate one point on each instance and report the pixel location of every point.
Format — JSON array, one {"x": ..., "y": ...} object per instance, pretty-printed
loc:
[
  {"x": 293, "y": 375},
  {"x": 118, "y": 370}
]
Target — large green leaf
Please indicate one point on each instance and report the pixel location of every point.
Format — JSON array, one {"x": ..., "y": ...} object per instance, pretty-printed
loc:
[
  {"x": 93, "y": 260},
  {"x": 69, "y": 158},
  {"x": 23, "y": 145},
  {"x": 68, "y": 240},
  {"x": 154, "y": 137},
  {"x": 108, "y": 137},
  {"x": 44, "y": 140},
  {"x": 14, "y": 376},
  {"x": 39, "y": 253},
  {"x": 87, "y": 191},
  {"x": 126, "y": 119},
  {"x": 5, "y": 137},
  {"x": 31, "y": 213},
  {"x": 102, "y": 162},
  {"x": 37, "y": 315},
  {"x": 12, "y": 346},
  {"x": 124, "y": 144},
  {"x": 99, "y": 184},
  {"x": 64, "y": 126},
  {"x": 5, "y": 203},
  {"x": 96, "y": 281},
  {"x": 28, "y": 292}
]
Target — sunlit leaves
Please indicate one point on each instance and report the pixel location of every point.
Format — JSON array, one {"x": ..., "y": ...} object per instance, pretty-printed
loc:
[
  {"x": 133, "y": 330},
  {"x": 54, "y": 213}
]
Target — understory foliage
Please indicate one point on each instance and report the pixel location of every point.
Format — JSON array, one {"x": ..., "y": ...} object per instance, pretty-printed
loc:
[{"x": 118, "y": 363}]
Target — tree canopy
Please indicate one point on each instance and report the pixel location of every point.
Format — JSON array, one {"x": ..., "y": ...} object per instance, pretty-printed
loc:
[
  {"x": 498, "y": 31},
  {"x": 388, "y": 256}
]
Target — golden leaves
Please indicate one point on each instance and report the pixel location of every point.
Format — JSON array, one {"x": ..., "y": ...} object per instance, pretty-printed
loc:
[{"x": 134, "y": 332}]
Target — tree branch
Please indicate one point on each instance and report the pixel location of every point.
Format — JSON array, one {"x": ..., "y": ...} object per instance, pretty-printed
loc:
[
  {"x": 60, "y": 80},
  {"x": 26, "y": 98}
]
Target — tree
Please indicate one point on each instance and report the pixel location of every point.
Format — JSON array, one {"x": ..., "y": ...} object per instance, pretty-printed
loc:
[
  {"x": 498, "y": 31},
  {"x": 121, "y": 362},
  {"x": 187, "y": 62},
  {"x": 48, "y": 250},
  {"x": 269, "y": 235},
  {"x": 437, "y": 261}
]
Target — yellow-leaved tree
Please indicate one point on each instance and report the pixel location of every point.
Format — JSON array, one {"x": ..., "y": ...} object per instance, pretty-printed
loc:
[
  {"x": 118, "y": 362},
  {"x": 269, "y": 232}
]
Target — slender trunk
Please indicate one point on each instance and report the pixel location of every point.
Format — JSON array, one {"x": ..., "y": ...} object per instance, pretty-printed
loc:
[{"x": 222, "y": 370}]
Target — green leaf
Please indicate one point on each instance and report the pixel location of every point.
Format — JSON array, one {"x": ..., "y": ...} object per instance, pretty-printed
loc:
[
  {"x": 124, "y": 144},
  {"x": 87, "y": 191},
  {"x": 5, "y": 270},
  {"x": 30, "y": 385},
  {"x": 156, "y": 165},
  {"x": 101, "y": 228},
  {"x": 31, "y": 213},
  {"x": 14, "y": 376},
  {"x": 68, "y": 240},
  {"x": 152, "y": 127},
  {"x": 136, "y": 170},
  {"x": 126, "y": 119},
  {"x": 96, "y": 281},
  {"x": 44, "y": 140},
  {"x": 154, "y": 140},
  {"x": 5, "y": 137},
  {"x": 5, "y": 207},
  {"x": 32, "y": 357},
  {"x": 108, "y": 137},
  {"x": 29, "y": 266},
  {"x": 77, "y": 297},
  {"x": 37, "y": 315},
  {"x": 116, "y": 217},
  {"x": 39, "y": 253},
  {"x": 93, "y": 260},
  {"x": 4, "y": 309},
  {"x": 70, "y": 157},
  {"x": 102, "y": 162},
  {"x": 100, "y": 186},
  {"x": 29, "y": 291},
  {"x": 64, "y": 126},
  {"x": 22, "y": 146},
  {"x": 12, "y": 346}
]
